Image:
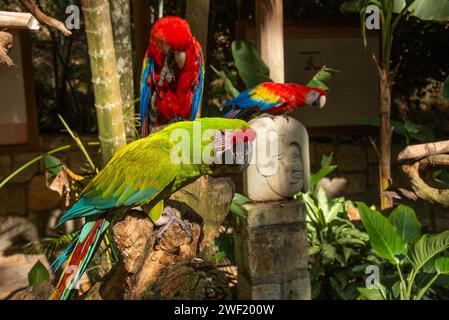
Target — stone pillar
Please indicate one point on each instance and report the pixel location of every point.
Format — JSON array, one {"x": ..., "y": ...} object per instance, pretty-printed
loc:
[{"x": 271, "y": 242}]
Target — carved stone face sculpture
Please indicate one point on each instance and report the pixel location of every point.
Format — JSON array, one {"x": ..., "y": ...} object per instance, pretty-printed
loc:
[
  {"x": 280, "y": 168},
  {"x": 290, "y": 177}
]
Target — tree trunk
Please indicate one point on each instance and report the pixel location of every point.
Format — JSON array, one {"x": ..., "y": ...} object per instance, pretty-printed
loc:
[
  {"x": 385, "y": 137},
  {"x": 197, "y": 14},
  {"x": 178, "y": 267},
  {"x": 105, "y": 78},
  {"x": 270, "y": 35},
  {"x": 121, "y": 27}
]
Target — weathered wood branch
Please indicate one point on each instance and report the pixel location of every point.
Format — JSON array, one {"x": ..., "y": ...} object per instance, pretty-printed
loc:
[
  {"x": 415, "y": 159},
  {"x": 18, "y": 20},
  {"x": 6, "y": 42},
  {"x": 422, "y": 189},
  {"x": 43, "y": 18},
  {"x": 423, "y": 150}
]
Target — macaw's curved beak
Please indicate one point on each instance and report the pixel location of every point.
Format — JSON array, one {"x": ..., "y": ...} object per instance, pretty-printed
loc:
[
  {"x": 322, "y": 102},
  {"x": 180, "y": 58},
  {"x": 319, "y": 102},
  {"x": 233, "y": 152}
]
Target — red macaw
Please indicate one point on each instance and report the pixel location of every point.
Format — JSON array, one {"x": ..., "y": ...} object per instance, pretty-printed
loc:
[
  {"x": 276, "y": 98},
  {"x": 172, "y": 74}
]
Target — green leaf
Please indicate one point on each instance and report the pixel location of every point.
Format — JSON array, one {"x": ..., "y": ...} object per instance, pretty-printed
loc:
[
  {"x": 372, "y": 294},
  {"x": 442, "y": 265},
  {"x": 38, "y": 274},
  {"x": 236, "y": 203},
  {"x": 50, "y": 245},
  {"x": 406, "y": 223},
  {"x": 383, "y": 236},
  {"x": 435, "y": 10},
  {"x": 326, "y": 161},
  {"x": 53, "y": 165},
  {"x": 228, "y": 86},
  {"x": 369, "y": 121},
  {"x": 446, "y": 88},
  {"x": 323, "y": 203},
  {"x": 329, "y": 253},
  {"x": 336, "y": 208},
  {"x": 251, "y": 67},
  {"x": 411, "y": 127},
  {"x": 427, "y": 248},
  {"x": 323, "y": 172},
  {"x": 324, "y": 75}
]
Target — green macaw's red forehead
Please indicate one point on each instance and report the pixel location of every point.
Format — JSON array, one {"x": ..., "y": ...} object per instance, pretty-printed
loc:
[
  {"x": 243, "y": 136},
  {"x": 174, "y": 31}
]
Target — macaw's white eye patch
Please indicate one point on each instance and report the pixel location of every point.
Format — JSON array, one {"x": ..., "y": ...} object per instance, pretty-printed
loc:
[
  {"x": 316, "y": 99},
  {"x": 233, "y": 147}
]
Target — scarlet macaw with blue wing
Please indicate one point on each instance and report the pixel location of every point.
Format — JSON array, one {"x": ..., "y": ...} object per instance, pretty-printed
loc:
[
  {"x": 172, "y": 75},
  {"x": 275, "y": 98}
]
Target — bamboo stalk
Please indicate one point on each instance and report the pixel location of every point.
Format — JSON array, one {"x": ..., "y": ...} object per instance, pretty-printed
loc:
[{"x": 105, "y": 78}]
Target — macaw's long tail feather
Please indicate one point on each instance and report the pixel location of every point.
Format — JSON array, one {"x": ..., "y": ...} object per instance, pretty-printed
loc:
[
  {"x": 145, "y": 127},
  {"x": 78, "y": 255},
  {"x": 232, "y": 114}
]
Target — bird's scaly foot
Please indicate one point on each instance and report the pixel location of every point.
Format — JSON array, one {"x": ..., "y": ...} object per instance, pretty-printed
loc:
[{"x": 167, "y": 218}]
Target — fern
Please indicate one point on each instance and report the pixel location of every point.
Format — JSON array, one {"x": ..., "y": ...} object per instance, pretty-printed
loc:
[{"x": 50, "y": 245}]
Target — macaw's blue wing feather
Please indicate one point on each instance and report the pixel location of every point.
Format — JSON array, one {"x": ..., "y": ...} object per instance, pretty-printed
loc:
[
  {"x": 258, "y": 97},
  {"x": 199, "y": 85},
  {"x": 90, "y": 205},
  {"x": 145, "y": 91}
]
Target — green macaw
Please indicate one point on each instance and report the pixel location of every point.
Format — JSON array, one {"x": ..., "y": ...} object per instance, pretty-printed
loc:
[{"x": 145, "y": 173}]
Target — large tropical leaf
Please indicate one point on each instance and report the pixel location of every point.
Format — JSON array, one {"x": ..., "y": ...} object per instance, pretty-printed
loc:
[
  {"x": 442, "y": 265},
  {"x": 436, "y": 10},
  {"x": 227, "y": 83},
  {"x": 251, "y": 67},
  {"x": 427, "y": 248},
  {"x": 406, "y": 223},
  {"x": 383, "y": 235}
]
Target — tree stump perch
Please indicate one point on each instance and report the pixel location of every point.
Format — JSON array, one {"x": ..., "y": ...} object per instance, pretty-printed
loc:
[{"x": 177, "y": 267}]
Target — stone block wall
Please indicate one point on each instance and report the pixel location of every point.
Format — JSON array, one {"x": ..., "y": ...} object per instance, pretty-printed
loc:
[
  {"x": 271, "y": 252},
  {"x": 357, "y": 163},
  {"x": 27, "y": 195}
]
